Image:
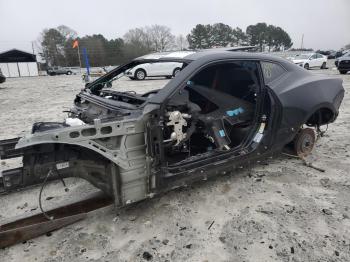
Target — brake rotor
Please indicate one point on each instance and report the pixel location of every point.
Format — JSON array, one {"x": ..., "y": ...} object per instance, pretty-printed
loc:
[{"x": 304, "y": 142}]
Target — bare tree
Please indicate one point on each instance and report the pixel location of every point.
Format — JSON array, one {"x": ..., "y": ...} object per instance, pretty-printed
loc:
[
  {"x": 181, "y": 42},
  {"x": 161, "y": 37},
  {"x": 138, "y": 36},
  {"x": 156, "y": 38}
]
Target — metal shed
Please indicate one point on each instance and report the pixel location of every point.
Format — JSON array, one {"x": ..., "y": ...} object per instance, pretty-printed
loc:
[{"x": 17, "y": 63}]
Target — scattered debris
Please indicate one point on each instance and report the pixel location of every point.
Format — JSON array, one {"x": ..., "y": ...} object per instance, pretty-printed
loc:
[
  {"x": 23, "y": 206},
  {"x": 188, "y": 246},
  {"x": 146, "y": 255},
  {"x": 327, "y": 211},
  {"x": 222, "y": 239},
  {"x": 267, "y": 212},
  {"x": 165, "y": 241},
  {"x": 309, "y": 164},
  {"x": 212, "y": 223}
]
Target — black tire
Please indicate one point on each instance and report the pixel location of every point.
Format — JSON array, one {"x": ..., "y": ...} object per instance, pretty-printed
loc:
[
  {"x": 69, "y": 73},
  {"x": 343, "y": 72},
  {"x": 52, "y": 74},
  {"x": 323, "y": 66},
  {"x": 132, "y": 78},
  {"x": 176, "y": 71},
  {"x": 306, "y": 66},
  {"x": 168, "y": 77},
  {"x": 140, "y": 74}
]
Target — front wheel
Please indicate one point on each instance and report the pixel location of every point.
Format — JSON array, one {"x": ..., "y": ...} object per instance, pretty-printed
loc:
[
  {"x": 343, "y": 72},
  {"x": 306, "y": 66},
  {"x": 140, "y": 74},
  {"x": 69, "y": 73},
  {"x": 323, "y": 66}
]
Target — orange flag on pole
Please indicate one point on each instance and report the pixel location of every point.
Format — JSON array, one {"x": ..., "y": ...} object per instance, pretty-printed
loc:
[{"x": 75, "y": 44}]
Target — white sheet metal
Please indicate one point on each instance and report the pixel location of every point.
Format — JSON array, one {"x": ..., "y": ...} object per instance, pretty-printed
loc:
[
  {"x": 13, "y": 70},
  {"x": 23, "y": 69},
  {"x": 33, "y": 69},
  {"x": 4, "y": 69}
]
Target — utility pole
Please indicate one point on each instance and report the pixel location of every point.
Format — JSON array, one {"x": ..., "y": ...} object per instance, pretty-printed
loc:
[
  {"x": 33, "y": 48},
  {"x": 37, "y": 64},
  {"x": 302, "y": 42}
]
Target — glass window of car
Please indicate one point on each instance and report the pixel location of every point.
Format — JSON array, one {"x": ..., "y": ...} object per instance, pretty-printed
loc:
[
  {"x": 302, "y": 56},
  {"x": 271, "y": 71},
  {"x": 314, "y": 56},
  {"x": 319, "y": 56},
  {"x": 239, "y": 79}
]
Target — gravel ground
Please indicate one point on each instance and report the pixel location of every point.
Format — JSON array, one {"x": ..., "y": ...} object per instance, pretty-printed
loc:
[{"x": 276, "y": 211}]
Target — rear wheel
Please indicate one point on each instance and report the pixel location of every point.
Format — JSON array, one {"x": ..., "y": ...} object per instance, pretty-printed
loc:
[
  {"x": 343, "y": 72},
  {"x": 69, "y": 73},
  {"x": 306, "y": 66},
  {"x": 140, "y": 74},
  {"x": 176, "y": 71},
  {"x": 132, "y": 78},
  {"x": 304, "y": 142},
  {"x": 323, "y": 66}
]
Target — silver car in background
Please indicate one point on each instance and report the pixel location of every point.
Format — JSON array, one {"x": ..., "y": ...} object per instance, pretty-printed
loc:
[
  {"x": 310, "y": 60},
  {"x": 161, "y": 69}
]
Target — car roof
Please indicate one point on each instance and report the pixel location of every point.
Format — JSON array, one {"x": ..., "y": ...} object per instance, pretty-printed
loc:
[
  {"x": 214, "y": 55},
  {"x": 186, "y": 54}
]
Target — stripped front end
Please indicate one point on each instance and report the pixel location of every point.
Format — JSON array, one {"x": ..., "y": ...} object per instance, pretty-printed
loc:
[{"x": 110, "y": 154}]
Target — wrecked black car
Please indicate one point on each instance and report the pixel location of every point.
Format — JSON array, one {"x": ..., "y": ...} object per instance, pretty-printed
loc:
[{"x": 223, "y": 110}]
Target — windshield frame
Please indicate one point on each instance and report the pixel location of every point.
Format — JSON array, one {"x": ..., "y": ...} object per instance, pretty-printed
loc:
[
  {"x": 303, "y": 56},
  {"x": 96, "y": 86}
]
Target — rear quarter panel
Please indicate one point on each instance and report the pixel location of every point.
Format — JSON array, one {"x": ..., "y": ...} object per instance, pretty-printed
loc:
[{"x": 301, "y": 94}]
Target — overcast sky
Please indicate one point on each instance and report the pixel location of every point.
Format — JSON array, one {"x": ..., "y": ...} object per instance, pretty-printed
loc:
[{"x": 324, "y": 23}]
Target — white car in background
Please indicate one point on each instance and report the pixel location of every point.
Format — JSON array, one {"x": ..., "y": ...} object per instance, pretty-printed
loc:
[
  {"x": 158, "y": 69},
  {"x": 311, "y": 60}
]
